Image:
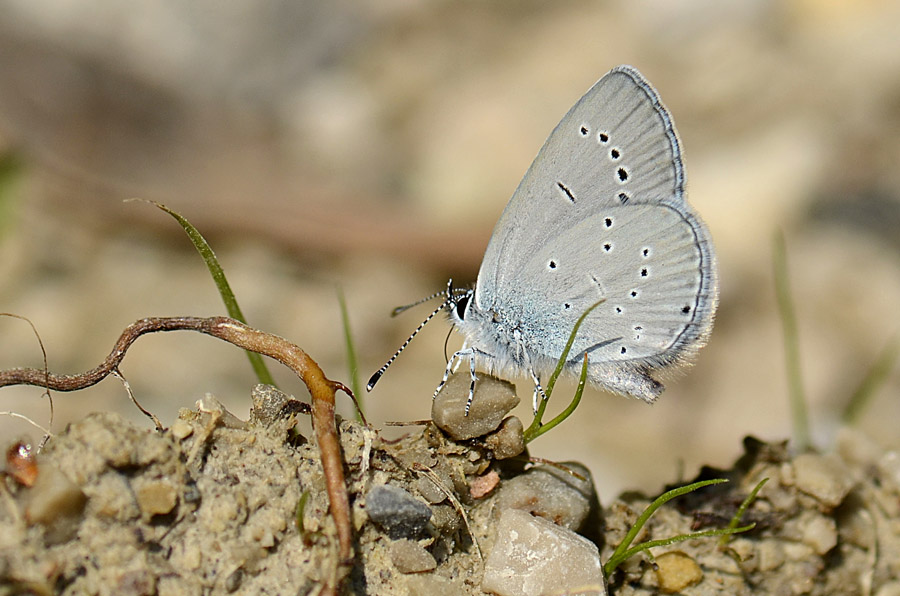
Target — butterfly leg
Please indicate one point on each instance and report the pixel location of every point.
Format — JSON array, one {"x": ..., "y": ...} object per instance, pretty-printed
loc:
[
  {"x": 453, "y": 365},
  {"x": 539, "y": 395},
  {"x": 473, "y": 378}
]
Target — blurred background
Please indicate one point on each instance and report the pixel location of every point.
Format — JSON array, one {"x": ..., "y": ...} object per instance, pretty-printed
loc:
[{"x": 371, "y": 145}]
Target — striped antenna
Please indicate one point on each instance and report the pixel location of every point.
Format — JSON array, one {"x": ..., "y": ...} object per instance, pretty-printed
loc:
[
  {"x": 401, "y": 309},
  {"x": 449, "y": 295}
]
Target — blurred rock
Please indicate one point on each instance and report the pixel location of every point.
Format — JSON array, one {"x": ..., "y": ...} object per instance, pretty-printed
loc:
[
  {"x": 54, "y": 502},
  {"x": 824, "y": 477}
]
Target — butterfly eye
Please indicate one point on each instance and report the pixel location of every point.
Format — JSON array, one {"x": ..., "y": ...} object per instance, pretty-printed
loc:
[{"x": 461, "y": 305}]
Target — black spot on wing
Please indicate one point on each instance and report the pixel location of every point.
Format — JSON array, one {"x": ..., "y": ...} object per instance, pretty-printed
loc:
[{"x": 566, "y": 191}]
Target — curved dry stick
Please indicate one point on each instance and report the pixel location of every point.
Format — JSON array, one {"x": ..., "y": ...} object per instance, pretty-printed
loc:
[{"x": 321, "y": 390}]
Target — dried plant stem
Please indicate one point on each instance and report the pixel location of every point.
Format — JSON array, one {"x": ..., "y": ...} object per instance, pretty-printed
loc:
[{"x": 320, "y": 388}]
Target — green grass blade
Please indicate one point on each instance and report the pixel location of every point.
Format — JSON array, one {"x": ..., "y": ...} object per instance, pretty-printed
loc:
[
  {"x": 736, "y": 519},
  {"x": 218, "y": 275},
  {"x": 542, "y": 407},
  {"x": 723, "y": 532},
  {"x": 791, "y": 344},
  {"x": 619, "y": 555},
  {"x": 352, "y": 360},
  {"x": 539, "y": 430},
  {"x": 565, "y": 353}
]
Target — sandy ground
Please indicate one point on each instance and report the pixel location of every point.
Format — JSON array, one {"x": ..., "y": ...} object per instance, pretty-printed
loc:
[{"x": 214, "y": 505}]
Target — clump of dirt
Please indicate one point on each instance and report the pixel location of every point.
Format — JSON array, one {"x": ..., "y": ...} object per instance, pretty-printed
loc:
[
  {"x": 826, "y": 524},
  {"x": 215, "y": 505}
]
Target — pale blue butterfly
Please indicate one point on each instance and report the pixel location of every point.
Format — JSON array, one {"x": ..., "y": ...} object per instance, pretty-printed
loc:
[{"x": 601, "y": 215}]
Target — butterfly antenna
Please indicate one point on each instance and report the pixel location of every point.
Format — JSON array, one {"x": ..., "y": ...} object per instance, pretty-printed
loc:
[
  {"x": 409, "y": 339},
  {"x": 406, "y": 307}
]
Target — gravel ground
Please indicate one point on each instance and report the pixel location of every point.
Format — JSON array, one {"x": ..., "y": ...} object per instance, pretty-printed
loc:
[{"x": 210, "y": 506}]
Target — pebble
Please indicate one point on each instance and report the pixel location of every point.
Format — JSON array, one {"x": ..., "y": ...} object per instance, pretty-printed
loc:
[
  {"x": 55, "y": 502},
  {"x": 156, "y": 497},
  {"x": 482, "y": 486},
  {"x": 819, "y": 532},
  {"x": 676, "y": 571},
  {"x": 411, "y": 557},
  {"x": 181, "y": 429},
  {"x": 135, "y": 582},
  {"x": 446, "y": 519},
  {"x": 550, "y": 493},
  {"x": 273, "y": 409},
  {"x": 430, "y": 491},
  {"x": 857, "y": 526},
  {"x": 532, "y": 556},
  {"x": 822, "y": 476},
  {"x": 493, "y": 400},
  {"x": 508, "y": 440},
  {"x": 399, "y": 513},
  {"x": 210, "y": 404},
  {"x": 771, "y": 555}
]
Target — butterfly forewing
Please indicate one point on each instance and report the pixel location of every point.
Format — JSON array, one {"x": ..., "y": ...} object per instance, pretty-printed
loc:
[
  {"x": 616, "y": 146},
  {"x": 601, "y": 214}
]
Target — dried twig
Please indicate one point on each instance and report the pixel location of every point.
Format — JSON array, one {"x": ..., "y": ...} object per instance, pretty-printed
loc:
[
  {"x": 159, "y": 426},
  {"x": 321, "y": 389}
]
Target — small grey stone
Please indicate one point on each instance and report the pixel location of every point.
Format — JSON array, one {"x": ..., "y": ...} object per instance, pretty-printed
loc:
[
  {"x": 533, "y": 556},
  {"x": 273, "y": 408},
  {"x": 399, "y": 513},
  {"x": 508, "y": 440},
  {"x": 446, "y": 519},
  {"x": 429, "y": 490},
  {"x": 550, "y": 493},
  {"x": 493, "y": 400},
  {"x": 411, "y": 557}
]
